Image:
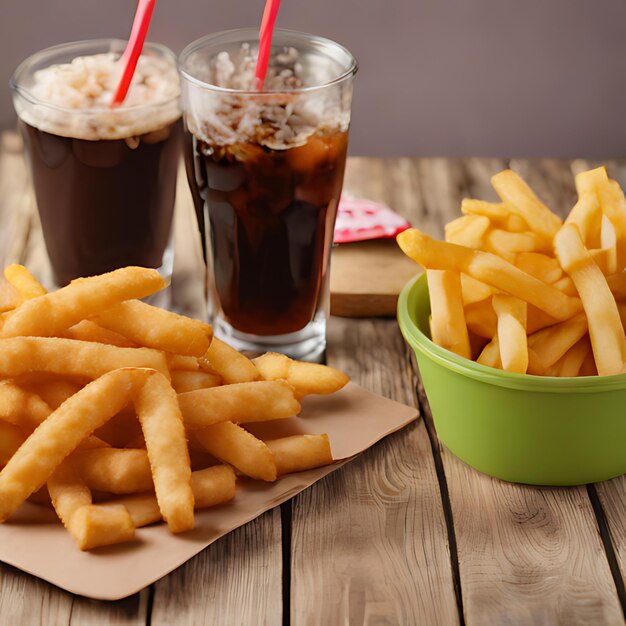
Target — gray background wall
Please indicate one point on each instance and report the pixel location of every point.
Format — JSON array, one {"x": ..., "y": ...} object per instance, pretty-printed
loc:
[{"x": 438, "y": 77}]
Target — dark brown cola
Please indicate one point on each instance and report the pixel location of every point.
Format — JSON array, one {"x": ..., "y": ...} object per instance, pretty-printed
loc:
[
  {"x": 271, "y": 216},
  {"x": 104, "y": 204}
]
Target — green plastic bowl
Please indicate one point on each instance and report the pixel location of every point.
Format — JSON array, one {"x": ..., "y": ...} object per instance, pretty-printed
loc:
[{"x": 528, "y": 429}]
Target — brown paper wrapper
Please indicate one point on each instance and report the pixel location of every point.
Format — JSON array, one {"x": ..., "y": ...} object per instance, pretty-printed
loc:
[{"x": 34, "y": 541}]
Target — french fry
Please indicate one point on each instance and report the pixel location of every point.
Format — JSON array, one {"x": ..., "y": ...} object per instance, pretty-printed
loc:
[
  {"x": 157, "y": 328},
  {"x": 54, "y": 392},
  {"x": 468, "y": 230},
  {"x": 587, "y": 215},
  {"x": 613, "y": 206},
  {"x": 166, "y": 443},
  {"x": 71, "y": 357},
  {"x": 605, "y": 328},
  {"x": 617, "y": 285},
  {"x": 179, "y": 362},
  {"x": 52, "y": 313},
  {"x": 497, "y": 212},
  {"x": 211, "y": 486},
  {"x": 481, "y": 319},
  {"x": 566, "y": 286},
  {"x": 232, "y": 444},
  {"x": 590, "y": 180},
  {"x": 114, "y": 470},
  {"x": 61, "y": 433},
  {"x": 306, "y": 378},
  {"x": 539, "y": 265},
  {"x": 520, "y": 199},
  {"x": 191, "y": 381},
  {"x": 570, "y": 363},
  {"x": 90, "y": 331},
  {"x": 608, "y": 240},
  {"x": 22, "y": 408},
  {"x": 490, "y": 356},
  {"x": 508, "y": 245},
  {"x": 11, "y": 438},
  {"x": 23, "y": 281},
  {"x": 92, "y": 526},
  {"x": 256, "y": 401},
  {"x": 447, "y": 324},
  {"x": 232, "y": 366},
  {"x": 10, "y": 298},
  {"x": 551, "y": 343},
  {"x": 473, "y": 290},
  {"x": 490, "y": 269},
  {"x": 300, "y": 452},
  {"x": 512, "y": 314}
]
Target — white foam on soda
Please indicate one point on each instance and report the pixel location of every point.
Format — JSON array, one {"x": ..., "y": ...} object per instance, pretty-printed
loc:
[
  {"x": 280, "y": 120},
  {"x": 72, "y": 99}
]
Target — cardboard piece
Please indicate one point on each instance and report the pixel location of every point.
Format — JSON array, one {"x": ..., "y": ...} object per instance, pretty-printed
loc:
[{"x": 34, "y": 541}]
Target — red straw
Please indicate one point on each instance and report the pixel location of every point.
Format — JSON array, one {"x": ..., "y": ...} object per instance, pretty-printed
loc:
[
  {"x": 265, "y": 40},
  {"x": 134, "y": 46}
]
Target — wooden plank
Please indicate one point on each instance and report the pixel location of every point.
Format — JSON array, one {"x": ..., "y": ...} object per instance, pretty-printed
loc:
[
  {"x": 28, "y": 600},
  {"x": 236, "y": 580},
  {"x": 378, "y": 553},
  {"x": 526, "y": 555},
  {"x": 612, "y": 496},
  {"x": 369, "y": 542}
]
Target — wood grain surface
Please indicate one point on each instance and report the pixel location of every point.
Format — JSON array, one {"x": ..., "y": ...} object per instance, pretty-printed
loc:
[{"x": 404, "y": 534}]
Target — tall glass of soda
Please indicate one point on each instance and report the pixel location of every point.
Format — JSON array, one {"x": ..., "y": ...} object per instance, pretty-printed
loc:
[{"x": 265, "y": 167}]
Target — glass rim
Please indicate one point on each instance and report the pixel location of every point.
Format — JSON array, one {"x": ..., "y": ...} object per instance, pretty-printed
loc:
[
  {"x": 254, "y": 35},
  {"x": 25, "y": 93}
]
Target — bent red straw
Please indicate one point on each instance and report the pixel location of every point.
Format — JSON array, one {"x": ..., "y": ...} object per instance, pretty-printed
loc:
[
  {"x": 265, "y": 40},
  {"x": 129, "y": 59}
]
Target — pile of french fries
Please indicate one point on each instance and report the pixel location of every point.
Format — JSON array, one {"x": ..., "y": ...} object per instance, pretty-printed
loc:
[
  {"x": 120, "y": 414},
  {"x": 516, "y": 288}
]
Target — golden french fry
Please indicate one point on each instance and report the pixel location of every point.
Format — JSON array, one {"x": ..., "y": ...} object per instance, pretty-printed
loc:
[
  {"x": 605, "y": 328},
  {"x": 535, "y": 366},
  {"x": 566, "y": 286},
  {"x": 179, "y": 362},
  {"x": 306, "y": 378},
  {"x": 473, "y": 290},
  {"x": 497, "y": 212},
  {"x": 52, "y": 313},
  {"x": 54, "y": 392},
  {"x": 551, "y": 343},
  {"x": 184, "y": 381},
  {"x": 447, "y": 323},
  {"x": 10, "y": 297},
  {"x": 62, "y": 432},
  {"x": 468, "y": 230},
  {"x": 23, "y": 281},
  {"x": 490, "y": 356},
  {"x": 521, "y": 200},
  {"x": 157, "y": 328},
  {"x": 232, "y": 366},
  {"x": 508, "y": 245},
  {"x": 114, "y": 470},
  {"x": 617, "y": 285},
  {"x": 587, "y": 215},
  {"x": 512, "y": 314},
  {"x": 613, "y": 206},
  {"x": 539, "y": 265},
  {"x": 90, "y": 331},
  {"x": 490, "y": 269},
  {"x": 166, "y": 442},
  {"x": 481, "y": 319},
  {"x": 232, "y": 444},
  {"x": 608, "y": 241},
  {"x": 211, "y": 486},
  {"x": 11, "y": 438},
  {"x": 257, "y": 401},
  {"x": 590, "y": 180},
  {"x": 300, "y": 452},
  {"x": 21, "y": 407},
  {"x": 92, "y": 526},
  {"x": 570, "y": 363},
  {"x": 71, "y": 357}
]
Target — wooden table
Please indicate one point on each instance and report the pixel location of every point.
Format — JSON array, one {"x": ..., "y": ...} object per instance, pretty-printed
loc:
[{"x": 405, "y": 534}]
